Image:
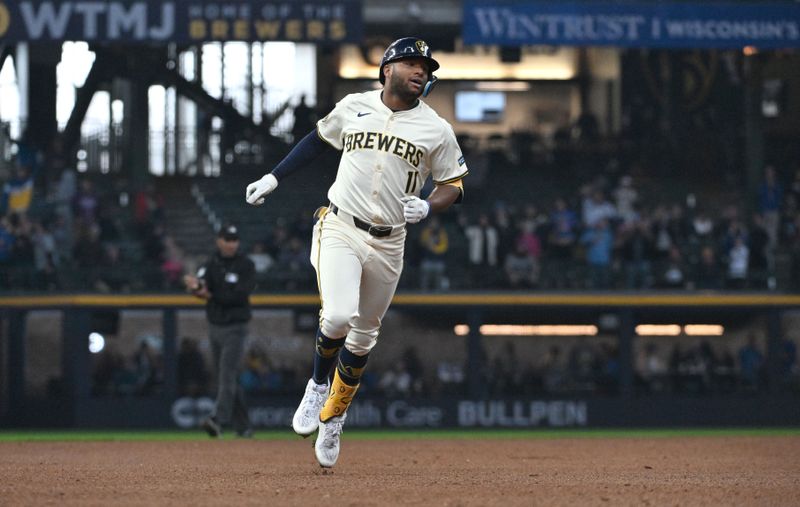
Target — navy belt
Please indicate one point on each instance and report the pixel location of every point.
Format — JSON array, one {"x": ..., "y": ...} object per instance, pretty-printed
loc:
[{"x": 379, "y": 231}]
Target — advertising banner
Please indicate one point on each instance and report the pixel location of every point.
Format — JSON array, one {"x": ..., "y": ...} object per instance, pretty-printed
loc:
[
  {"x": 183, "y": 21},
  {"x": 633, "y": 24}
]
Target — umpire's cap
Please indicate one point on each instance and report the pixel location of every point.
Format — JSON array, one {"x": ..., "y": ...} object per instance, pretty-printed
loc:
[
  {"x": 407, "y": 47},
  {"x": 228, "y": 232}
]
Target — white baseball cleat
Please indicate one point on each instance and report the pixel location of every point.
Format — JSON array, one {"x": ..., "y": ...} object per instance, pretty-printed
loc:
[
  {"x": 327, "y": 445},
  {"x": 306, "y": 417}
]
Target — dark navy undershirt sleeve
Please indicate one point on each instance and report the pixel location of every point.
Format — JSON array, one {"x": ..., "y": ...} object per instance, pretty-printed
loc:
[{"x": 308, "y": 149}]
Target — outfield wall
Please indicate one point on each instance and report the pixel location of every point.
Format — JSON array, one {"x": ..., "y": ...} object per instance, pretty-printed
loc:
[{"x": 46, "y": 368}]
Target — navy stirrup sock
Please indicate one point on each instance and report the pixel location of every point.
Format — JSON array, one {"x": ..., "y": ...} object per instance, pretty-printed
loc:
[
  {"x": 326, "y": 350},
  {"x": 351, "y": 367}
]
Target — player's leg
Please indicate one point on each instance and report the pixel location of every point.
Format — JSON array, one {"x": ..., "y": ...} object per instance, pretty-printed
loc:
[
  {"x": 380, "y": 276},
  {"x": 338, "y": 269}
]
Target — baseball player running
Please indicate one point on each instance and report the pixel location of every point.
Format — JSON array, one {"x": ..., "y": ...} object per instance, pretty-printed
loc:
[{"x": 391, "y": 142}]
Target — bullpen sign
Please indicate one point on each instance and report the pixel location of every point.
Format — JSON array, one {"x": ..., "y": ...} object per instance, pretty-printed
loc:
[
  {"x": 633, "y": 24},
  {"x": 181, "y": 20}
]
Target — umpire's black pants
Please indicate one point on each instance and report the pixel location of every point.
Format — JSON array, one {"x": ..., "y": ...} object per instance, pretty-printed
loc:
[{"x": 227, "y": 347}]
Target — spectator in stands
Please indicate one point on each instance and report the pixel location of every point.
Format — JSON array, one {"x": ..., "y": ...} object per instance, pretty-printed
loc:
[
  {"x": 6, "y": 251},
  {"x": 505, "y": 374},
  {"x": 434, "y": 244},
  {"x": 293, "y": 264},
  {"x": 255, "y": 373},
  {"x": 582, "y": 365},
  {"x": 672, "y": 271},
  {"x": 28, "y": 153},
  {"x": 563, "y": 230},
  {"x": 599, "y": 241},
  {"x": 108, "y": 220},
  {"x": 414, "y": 367},
  {"x": 554, "y": 374},
  {"x": 172, "y": 265},
  {"x": 304, "y": 119},
  {"x": 521, "y": 269},
  {"x": 707, "y": 273},
  {"x": 22, "y": 255},
  {"x": 503, "y": 223},
  {"x": 449, "y": 377},
  {"x": 483, "y": 240},
  {"x": 703, "y": 228},
  {"x": 192, "y": 372},
  {"x": 626, "y": 197},
  {"x": 636, "y": 252},
  {"x": 760, "y": 254},
  {"x": 114, "y": 274},
  {"x": 770, "y": 198},
  {"x": 787, "y": 360},
  {"x": 261, "y": 259},
  {"x": 88, "y": 253},
  {"x": 64, "y": 194},
  {"x": 396, "y": 381},
  {"x": 46, "y": 256},
  {"x": 86, "y": 202},
  {"x": 528, "y": 238},
  {"x": 597, "y": 208},
  {"x": 17, "y": 192},
  {"x": 110, "y": 376},
  {"x": 751, "y": 362},
  {"x": 651, "y": 369},
  {"x": 148, "y": 207},
  {"x": 663, "y": 239},
  {"x": 149, "y": 371},
  {"x": 738, "y": 259}
]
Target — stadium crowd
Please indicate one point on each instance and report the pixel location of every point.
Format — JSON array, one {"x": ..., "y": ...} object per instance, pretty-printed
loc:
[
  {"x": 528, "y": 225},
  {"x": 588, "y": 366}
]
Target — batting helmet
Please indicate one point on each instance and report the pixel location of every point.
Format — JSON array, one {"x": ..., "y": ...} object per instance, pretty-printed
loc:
[{"x": 409, "y": 47}]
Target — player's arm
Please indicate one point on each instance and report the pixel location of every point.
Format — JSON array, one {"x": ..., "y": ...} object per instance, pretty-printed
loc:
[
  {"x": 305, "y": 152},
  {"x": 442, "y": 197}
]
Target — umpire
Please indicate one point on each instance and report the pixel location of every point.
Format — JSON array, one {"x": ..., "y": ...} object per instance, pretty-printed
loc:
[{"x": 225, "y": 281}]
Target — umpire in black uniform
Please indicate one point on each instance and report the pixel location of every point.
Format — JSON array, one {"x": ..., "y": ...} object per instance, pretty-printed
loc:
[{"x": 225, "y": 281}]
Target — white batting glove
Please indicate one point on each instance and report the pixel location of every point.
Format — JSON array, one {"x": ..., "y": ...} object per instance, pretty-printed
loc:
[
  {"x": 258, "y": 190},
  {"x": 414, "y": 208}
]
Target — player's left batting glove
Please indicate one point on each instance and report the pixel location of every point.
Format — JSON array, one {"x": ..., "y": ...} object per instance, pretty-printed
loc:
[
  {"x": 414, "y": 208},
  {"x": 258, "y": 190}
]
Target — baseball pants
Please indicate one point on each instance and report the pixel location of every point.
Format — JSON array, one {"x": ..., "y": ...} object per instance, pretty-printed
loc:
[{"x": 357, "y": 275}]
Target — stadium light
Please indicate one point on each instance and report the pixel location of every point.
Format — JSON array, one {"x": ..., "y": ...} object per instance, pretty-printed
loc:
[
  {"x": 658, "y": 330},
  {"x": 703, "y": 330},
  {"x": 96, "y": 343},
  {"x": 529, "y": 330}
]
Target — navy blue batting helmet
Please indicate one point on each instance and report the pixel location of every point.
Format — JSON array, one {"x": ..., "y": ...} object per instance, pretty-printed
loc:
[{"x": 407, "y": 47}]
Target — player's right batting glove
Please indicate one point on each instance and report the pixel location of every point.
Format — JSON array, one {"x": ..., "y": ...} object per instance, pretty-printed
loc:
[
  {"x": 414, "y": 208},
  {"x": 258, "y": 190}
]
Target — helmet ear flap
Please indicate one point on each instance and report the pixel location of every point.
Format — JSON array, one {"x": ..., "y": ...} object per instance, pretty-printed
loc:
[{"x": 429, "y": 85}]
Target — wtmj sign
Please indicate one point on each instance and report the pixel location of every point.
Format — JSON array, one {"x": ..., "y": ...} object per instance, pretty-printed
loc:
[
  {"x": 181, "y": 20},
  {"x": 632, "y": 24}
]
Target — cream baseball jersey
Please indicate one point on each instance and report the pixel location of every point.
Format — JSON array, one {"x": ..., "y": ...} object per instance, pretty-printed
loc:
[{"x": 387, "y": 155}]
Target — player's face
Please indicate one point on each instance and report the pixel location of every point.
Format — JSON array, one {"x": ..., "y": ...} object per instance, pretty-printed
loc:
[{"x": 407, "y": 77}]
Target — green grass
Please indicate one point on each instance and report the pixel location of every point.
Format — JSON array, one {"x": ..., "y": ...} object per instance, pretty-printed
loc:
[{"x": 175, "y": 436}]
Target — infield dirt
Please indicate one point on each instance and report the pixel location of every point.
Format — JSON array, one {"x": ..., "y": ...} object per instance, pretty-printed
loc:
[{"x": 615, "y": 471}]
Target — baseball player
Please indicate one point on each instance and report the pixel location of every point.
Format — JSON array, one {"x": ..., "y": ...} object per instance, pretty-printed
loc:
[{"x": 391, "y": 142}]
